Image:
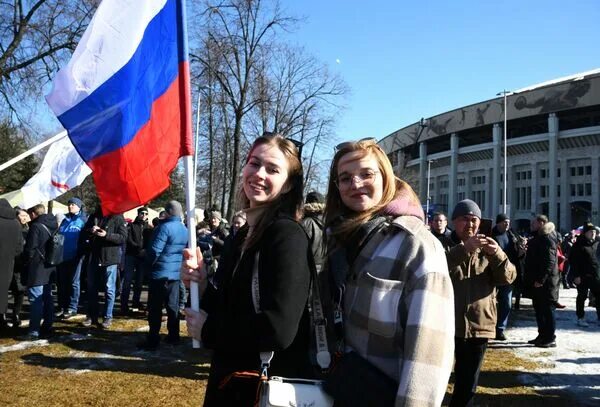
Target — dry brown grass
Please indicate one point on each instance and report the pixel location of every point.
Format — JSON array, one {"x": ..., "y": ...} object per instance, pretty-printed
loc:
[{"x": 91, "y": 367}]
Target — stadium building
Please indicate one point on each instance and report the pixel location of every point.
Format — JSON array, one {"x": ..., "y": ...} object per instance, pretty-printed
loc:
[{"x": 553, "y": 153}]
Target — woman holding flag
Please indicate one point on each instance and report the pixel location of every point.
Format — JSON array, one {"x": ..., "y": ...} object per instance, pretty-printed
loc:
[{"x": 260, "y": 304}]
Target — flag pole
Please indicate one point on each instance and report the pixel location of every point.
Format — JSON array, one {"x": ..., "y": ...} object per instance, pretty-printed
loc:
[
  {"x": 32, "y": 150},
  {"x": 190, "y": 181}
]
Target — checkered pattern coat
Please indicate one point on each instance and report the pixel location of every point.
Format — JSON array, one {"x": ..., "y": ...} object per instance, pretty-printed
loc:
[{"x": 399, "y": 310}]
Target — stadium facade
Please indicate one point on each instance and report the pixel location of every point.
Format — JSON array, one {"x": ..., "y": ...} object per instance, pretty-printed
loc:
[{"x": 553, "y": 153}]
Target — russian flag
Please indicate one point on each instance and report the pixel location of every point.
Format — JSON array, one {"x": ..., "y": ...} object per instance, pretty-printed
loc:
[{"x": 124, "y": 99}]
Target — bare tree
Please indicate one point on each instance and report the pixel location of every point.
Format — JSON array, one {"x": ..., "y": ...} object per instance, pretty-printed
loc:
[
  {"x": 36, "y": 38},
  {"x": 239, "y": 29}
]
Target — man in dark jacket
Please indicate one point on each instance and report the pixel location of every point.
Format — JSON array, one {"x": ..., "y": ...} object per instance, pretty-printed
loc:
[
  {"x": 135, "y": 260},
  {"x": 313, "y": 224},
  {"x": 586, "y": 269},
  {"x": 11, "y": 246},
  {"x": 439, "y": 228},
  {"x": 69, "y": 271},
  {"x": 165, "y": 255},
  {"x": 509, "y": 242},
  {"x": 211, "y": 240},
  {"x": 541, "y": 278},
  {"x": 105, "y": 235},
  {"x": 39, "y": 292}
]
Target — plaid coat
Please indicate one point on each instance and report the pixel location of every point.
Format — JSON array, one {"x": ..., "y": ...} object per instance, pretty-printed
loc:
[{"x": 399, "y": 310}]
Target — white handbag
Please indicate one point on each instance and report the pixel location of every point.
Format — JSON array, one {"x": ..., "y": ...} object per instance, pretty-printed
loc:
[{"x": 284, "y": 392}]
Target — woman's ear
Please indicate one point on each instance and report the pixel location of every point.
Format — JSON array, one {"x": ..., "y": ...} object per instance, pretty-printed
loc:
[{"x": 286, "y": 188}]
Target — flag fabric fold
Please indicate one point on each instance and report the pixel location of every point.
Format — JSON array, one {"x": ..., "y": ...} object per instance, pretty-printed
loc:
[
  {"x": 61, "y": 170},
  {"x": 124, "y": 99}
]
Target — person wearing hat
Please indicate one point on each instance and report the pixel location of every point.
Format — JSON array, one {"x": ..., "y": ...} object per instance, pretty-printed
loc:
[
  {"x": 313, "y": 222},
  {"x": 165, "y": 256},
  {"x": 135, "y": 260},
  {"x": 105, "y": 237},
  {"x": 509, "y": 243},
  {"x": 477, "y": 265},
  {"x": 542, "y": 278},
  {"x": 586, "y": 270},
  {"x": 69, "y": 271}
]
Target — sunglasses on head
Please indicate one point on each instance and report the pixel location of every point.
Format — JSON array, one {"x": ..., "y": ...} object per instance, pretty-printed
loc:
[
  {"x": 345, "y": 144},
  {"x": 296, "y": 143}
]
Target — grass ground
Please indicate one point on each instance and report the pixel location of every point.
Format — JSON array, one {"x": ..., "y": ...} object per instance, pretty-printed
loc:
[{"x": 90, "y": 367}]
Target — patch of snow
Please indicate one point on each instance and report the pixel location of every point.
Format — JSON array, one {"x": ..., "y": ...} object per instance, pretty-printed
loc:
[
  {"x": 24, "y": 345},
  {"x": 573, "y": 367}
]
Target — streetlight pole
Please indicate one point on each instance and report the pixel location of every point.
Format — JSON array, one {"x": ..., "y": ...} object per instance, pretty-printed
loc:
[
  {"x": 428, "y": 197},
  {"x": 504, "y": 93}
]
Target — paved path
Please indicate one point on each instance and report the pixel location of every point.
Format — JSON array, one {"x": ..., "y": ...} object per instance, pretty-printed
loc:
[{"x": 573, "y": 367}]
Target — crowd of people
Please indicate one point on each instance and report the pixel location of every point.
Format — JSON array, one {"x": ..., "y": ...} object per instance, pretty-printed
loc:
[{"x": 360, "y": 267}]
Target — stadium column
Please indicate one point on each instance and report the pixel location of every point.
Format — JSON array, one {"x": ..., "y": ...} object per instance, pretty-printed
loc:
[
  {"x": 565, "y": 213},
  {"x": 552, "y": 160},
  {"x": 453, "y": 172},
  {"x": 423, "y": 171},
  {"x": 496, "y": 143},
  {"x": 595, "y": 192}
]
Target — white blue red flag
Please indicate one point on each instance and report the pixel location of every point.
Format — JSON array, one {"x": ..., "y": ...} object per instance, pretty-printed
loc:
[{"x": 124, "y": 99}]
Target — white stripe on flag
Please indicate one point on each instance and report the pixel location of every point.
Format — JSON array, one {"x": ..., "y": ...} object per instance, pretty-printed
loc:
[
  {"x": 62, "y": 169},
  {"x": 109, "y": 42}
]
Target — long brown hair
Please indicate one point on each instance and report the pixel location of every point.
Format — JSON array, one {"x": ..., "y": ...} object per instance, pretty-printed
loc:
[
  {"x": 287, "y": 203},
  {"x": 335, "y": 208}
]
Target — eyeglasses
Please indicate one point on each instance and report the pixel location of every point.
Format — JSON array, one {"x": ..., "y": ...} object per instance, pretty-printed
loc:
[
  {"x": 364, "y": 178},
  {"x": 296, "y": 143},
  {"x": 144, "y": 213},
  {"x": 345, "y": 144}
]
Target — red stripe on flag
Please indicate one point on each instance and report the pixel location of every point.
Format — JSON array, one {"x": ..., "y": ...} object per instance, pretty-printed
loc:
[
  {"x": 59, "y": 185},
  {"x": 138, "y": 172}
]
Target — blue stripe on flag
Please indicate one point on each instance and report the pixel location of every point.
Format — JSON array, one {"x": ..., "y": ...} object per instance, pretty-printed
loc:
[{"x": 110, "y": 117}]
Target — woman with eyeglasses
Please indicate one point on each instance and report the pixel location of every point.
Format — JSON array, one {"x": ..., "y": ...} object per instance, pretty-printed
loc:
[
  {"x": 260, "y": 303},
  {"x": 392, "y": 294}
]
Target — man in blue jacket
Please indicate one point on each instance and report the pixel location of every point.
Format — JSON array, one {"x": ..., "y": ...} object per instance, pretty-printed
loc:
[
  {"x": 69, "y": 271},
  {"x": 165, "y": 256}
]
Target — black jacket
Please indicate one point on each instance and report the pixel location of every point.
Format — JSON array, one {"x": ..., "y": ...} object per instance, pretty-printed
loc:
[
  {"x": 583, "y": 259},
  {"x": 35, "y": 250},
  {"x": 541, "y": 262},
  {"x": 514, "y": 251},
  {"x": 445, "y": 238},
  {"x": 236, "y": 332},
  {"x": 11, "y": 246},
  {"x": 105, "y": 250},
  {"x": 137, "y": 233},
  {"x": 313, "y": 224}
]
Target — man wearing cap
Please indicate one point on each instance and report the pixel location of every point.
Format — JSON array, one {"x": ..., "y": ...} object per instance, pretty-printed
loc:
[
  {"x": 586, "y": 270},
  {"x": 165, "y": 255},
  {"x": 69, "y": 271},
  {"x": 542, "y": 278},
  {"x": 135, "y": 254},
  {"x": 313, "y": 223},
  {"x": 509, "y": 243},
  {"x": 105, "y": 235},
  {"x": 477, "y": 265}
]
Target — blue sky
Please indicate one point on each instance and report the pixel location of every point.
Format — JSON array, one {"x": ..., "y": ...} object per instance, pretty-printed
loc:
[{"x": 406, "y": 60}]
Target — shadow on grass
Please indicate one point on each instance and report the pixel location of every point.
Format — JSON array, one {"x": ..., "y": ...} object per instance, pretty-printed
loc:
[
  {"x": 580, "y": 360},
  {"x": 172, "y": 368},
  {"x": 116, "y": 351}
]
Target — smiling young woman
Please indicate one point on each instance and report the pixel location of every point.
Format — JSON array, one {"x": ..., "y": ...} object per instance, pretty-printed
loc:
[
  {"x": 260, "y": 302},
  {"x": 390, "y": 285}
]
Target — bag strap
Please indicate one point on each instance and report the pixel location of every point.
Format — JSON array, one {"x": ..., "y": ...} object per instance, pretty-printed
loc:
[
  {"x": 42, "y": 255},
  {"x": 319, "y": 321}
]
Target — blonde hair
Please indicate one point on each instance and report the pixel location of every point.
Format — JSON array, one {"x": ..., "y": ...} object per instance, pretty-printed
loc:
[
  {"x": 288, "y": 203},
  {"x": 392, "y": 187}
]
